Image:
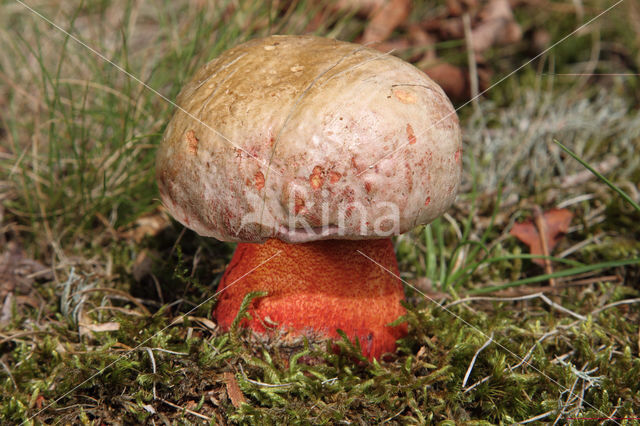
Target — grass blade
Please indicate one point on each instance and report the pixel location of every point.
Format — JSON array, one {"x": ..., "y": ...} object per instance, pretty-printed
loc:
[
  {"x": 599, "y": 176},
  {"x": 558, "y": 274}
]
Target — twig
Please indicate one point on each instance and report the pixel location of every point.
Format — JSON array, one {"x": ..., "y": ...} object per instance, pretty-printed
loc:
[
  {"x": 6, "y": 339},
  {"x": 168, "y": 351},
  {"x": 15, "y": 385},
  {"x": 186, "y": 410},
  {"x": 563, "y": 284},
  {"x": 473, "y": 360},
  {"x": 593, "y": 280},
  {"x": 153, "y": 368},
  {"x": 329, "y": 381},
  {"x": 579, "y": 245},
  {"x": 538, "y": 218},
  {"x": 562, "y": 308},
  {"x": 611, "y": 305},
  {"x": 471, "y": 59},
  {"x": 119, "y": 293},
  {"x": 538, "y": 417},
  {"x": 478, "y": 383},
  {"x": 117, "y": 309},
  {"x": 266, "y": 385},
  {"x": 395, "y": 415},
  {"x": 526, "y": 297},
  {"x": 530, "y": 351}
]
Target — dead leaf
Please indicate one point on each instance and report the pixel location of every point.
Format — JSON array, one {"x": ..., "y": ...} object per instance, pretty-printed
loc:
[
  {"x": 148, "y": 225},
  {"x": 87, "y": 329},
  {"x": 445, "y": 29},
  {"x": 205, "y": 322},
  {"x": 556, "y": 222},
  {"x": 455, "y": 80},
  {"x": 142, "y": 266},
  {"x": 364, "y": 7},
  {"x": 454, "y": 7},
  {"x": 40, "y": 402},
  {"x": 385, "y": 19},
  {"x": 458, "y": 7},
  {"x": 6, "y": 309},
  {"x": 497, "y": 27},
  {"x": 101, "y": 327},
  {"x": 86, "y": 326},
  {"x": 18, "y": 272},
  {"x": 421, "y": 38},
  {"x": 233, "y": 390}
]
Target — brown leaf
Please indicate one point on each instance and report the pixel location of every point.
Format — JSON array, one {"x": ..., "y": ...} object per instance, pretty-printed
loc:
[
  {"x": 233, "y": 390},
  {"x": 142, "y": 266},
  {"x": 497, "y": 27},
  {"x": 385, "y": 19},
  {"x": 455, "y": 80},
  {"x": 458, "y": 7},
  {"x": 365, "y": 7},
  {"x": 18, "y": 272},
  {"x": 556, "y": 222},
  {"x": 86, "y": 327},
  {"x": 421, "y": 38},
  {"x": 148, "y": 225}
]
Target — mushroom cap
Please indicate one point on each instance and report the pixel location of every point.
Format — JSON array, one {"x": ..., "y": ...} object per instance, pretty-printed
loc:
[{"x": 303, "y": 138}]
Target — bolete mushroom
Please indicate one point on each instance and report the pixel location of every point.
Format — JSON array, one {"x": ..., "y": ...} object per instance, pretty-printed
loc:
[{"x": 316, "y": 151}]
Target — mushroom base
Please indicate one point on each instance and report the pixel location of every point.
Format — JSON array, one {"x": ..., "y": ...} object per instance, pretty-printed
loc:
[{"x": 316, "y": 288}]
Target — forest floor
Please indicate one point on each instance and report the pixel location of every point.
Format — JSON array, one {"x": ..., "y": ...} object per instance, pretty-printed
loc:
[{"x": 105, "y": 301}]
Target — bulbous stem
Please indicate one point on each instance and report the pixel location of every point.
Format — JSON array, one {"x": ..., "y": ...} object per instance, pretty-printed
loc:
[{"x": 316, "y": 288}]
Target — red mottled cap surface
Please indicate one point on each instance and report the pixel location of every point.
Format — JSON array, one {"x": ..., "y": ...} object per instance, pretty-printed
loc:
[{"x": 302, "y": 138}]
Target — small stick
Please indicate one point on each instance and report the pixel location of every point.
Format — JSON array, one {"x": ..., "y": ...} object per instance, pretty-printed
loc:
[
  {"x": 193, "y": 413},
  {"x": 266, "y": 385},
  {"x": 544, "y": 298},
  {"x": 538, "y": 417},
  {"x": 538, "y": 218},
  {"x": 15, "y": 385},
  {"x": 471, "y": 59},
  {"x": 473, "y": 360},
  {"x": 611, "y": 305},
  {"x": 153, "y": 368},
  {"x": 119, "y": 293}
]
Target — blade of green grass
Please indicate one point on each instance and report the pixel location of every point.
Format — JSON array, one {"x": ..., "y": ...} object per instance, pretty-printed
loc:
[
  {"x": 598, "y": 175},
  {"x": 558, "y": 274}
]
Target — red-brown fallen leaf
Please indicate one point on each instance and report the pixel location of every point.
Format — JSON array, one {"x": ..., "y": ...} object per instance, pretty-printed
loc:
[
  {"x": 17, "y": 271},
  {"x": 39, "y": 402},
  {"x": 148, "y": 225},
  {"x": 233, "y": 390},
  {"x": 497, "y": 27},
  {"x": 458, "y": 7},
  {"x": 385, "y": 19},
  {"x": 364, "y": 7},
  {"x": 455, "y": 80},
  {"x": 557, "y": 223}
]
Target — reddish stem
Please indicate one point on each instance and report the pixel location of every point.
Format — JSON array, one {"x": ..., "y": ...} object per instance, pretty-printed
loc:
[{"x": 316, "y": 288}]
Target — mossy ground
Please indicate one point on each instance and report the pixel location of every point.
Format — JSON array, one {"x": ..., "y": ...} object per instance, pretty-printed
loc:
[{"x": 106, "y": 312}]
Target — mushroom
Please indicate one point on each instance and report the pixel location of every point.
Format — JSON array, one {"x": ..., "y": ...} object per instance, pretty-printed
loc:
[{"x": 311, "y": 153}]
